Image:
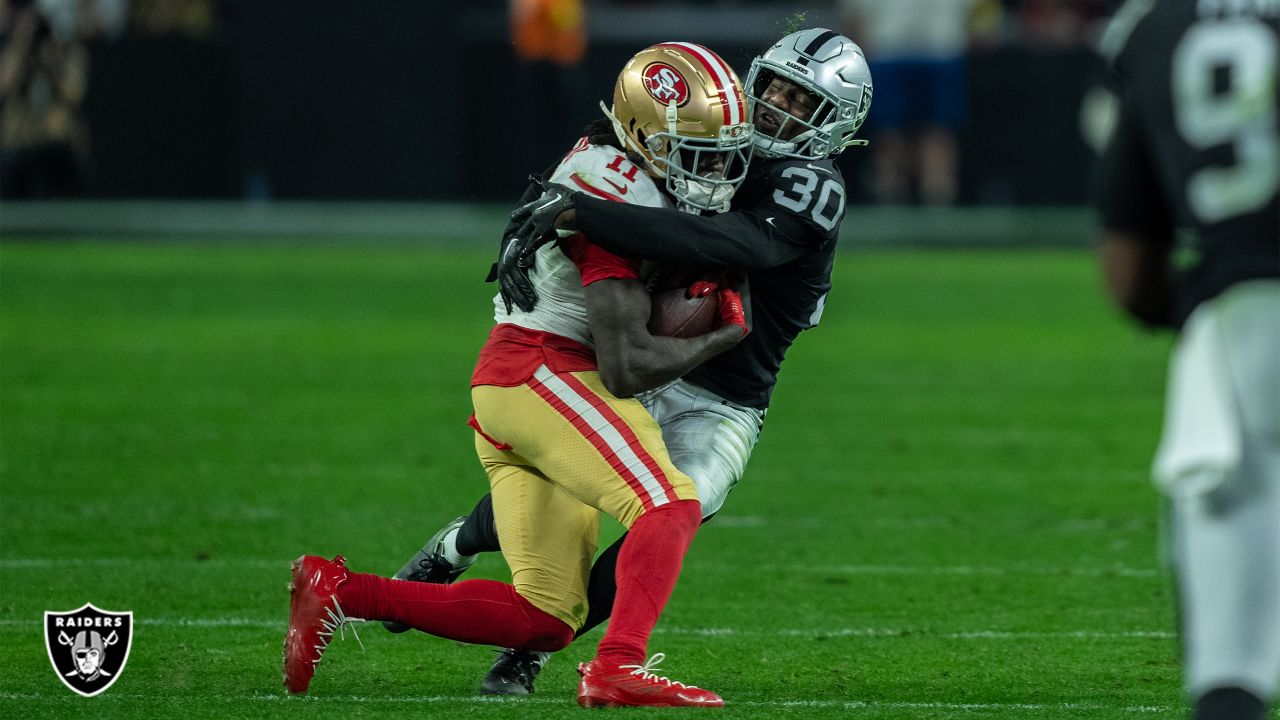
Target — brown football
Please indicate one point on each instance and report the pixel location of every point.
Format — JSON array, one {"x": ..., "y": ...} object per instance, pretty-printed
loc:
[{"x": 674, "y": 315}]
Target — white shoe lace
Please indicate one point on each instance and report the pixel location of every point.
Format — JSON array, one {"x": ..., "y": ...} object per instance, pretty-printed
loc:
[
  {"x": 338, "y": 621},
  {"x": 648, "y": 672}
]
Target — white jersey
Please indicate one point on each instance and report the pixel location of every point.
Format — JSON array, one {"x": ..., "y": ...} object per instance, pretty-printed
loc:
[{"x": 601, "y": 171}]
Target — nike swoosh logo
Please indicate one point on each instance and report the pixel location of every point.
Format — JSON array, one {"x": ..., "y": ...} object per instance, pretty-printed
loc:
[
  {"x": 770, "y": 221},
  {"x": 622, "y": 189},
  {"x": 550, "y": 201},
  {"x": 507, "y": 251},
  {"x": 811, "y": 166}
]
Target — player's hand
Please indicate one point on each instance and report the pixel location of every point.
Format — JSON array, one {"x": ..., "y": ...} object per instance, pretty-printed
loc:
[
  {"x": 731, "y": 310},
  {"x": 537, "y": 222},
  {"x": 701, "y": 289},
  {"x": 513, "y": 284}
]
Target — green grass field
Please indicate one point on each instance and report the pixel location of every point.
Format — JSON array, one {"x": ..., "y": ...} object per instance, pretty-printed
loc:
[{"x": 948, "y": 513}]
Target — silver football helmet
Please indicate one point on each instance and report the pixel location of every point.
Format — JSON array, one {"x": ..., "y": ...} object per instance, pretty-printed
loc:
[{"x": 833, "y": 69}]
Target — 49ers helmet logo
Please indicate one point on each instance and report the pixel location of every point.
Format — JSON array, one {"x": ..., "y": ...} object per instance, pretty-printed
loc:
[
  {"x": 88, "y": 647},
  {"x": 665, "y": 84}
]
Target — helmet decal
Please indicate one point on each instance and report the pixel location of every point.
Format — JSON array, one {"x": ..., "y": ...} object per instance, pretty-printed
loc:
[
  {"x": 665, "y": 84},
  {"x": 735, "y": 105}
]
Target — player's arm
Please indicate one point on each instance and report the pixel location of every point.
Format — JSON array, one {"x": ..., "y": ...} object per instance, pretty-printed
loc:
[
  {"x": 1137, "y": 275},
  {"x": 737, "y": 239},
  {"x": 1135, "y": 238},
  {"x": 631, "y": 360},
  {"x": 532, "y": 192}
]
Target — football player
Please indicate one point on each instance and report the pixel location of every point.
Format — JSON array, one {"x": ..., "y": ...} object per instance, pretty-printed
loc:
[
  {"x": 810, "y": 93},
  {"x": 1190, "y": 239},
  {"x": 555, "y": 427}
]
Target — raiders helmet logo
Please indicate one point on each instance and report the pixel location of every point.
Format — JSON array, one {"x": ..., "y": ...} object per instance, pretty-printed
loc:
[
  {"x": 88, "y": 647},
  {"x": 665, "y": 84}
]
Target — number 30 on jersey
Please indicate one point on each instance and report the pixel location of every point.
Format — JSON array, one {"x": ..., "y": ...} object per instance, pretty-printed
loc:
[{"x": 822, "y": 198}]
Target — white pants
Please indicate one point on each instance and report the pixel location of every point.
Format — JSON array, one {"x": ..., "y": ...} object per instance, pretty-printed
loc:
[
  {"x": 709, "y": 438},
  {"x": 1219, "y": 461}
]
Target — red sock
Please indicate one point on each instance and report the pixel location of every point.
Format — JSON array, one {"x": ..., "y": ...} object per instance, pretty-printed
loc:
[
  {"x": 484, "y": 612},
  {"x": 648, "y": 565}
]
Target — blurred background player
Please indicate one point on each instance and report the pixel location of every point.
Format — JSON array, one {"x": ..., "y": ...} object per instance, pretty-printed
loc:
[
  {"x": 44, "y": 77},
  {"x": 1191, "y": 240},
  {"x": 810, "y": 93},
  {"x": 918, "y": 49},
  {"x": 557, "y": 442}
]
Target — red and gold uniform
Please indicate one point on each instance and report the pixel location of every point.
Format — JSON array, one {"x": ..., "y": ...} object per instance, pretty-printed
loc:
[{"x": 557, "y": 446}]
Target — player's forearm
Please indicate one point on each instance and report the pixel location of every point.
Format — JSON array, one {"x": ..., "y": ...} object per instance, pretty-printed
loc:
[
  {"x": 735, "y": 239},
  {"x": 647, "y": 362},
  {"x": 630, "y": 359},
  {"x": 1138, "y": 277}
]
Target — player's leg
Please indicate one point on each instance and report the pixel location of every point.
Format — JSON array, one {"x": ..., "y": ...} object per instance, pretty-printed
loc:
[
  {"x": 707, "y": 438},
  {"x": 551, "y": 525},
  {"x": 325, "y": 596},
  {"x": 450, "y": 551},
  {"x": 1227, "y": 524},
  {"x": 944, "y": 84},
  {"x": 890, "y": 148},
  {"x": 608, "y": 453},
  {"x": 551, "y": 538},
  {"x": 478, "y": 533}
]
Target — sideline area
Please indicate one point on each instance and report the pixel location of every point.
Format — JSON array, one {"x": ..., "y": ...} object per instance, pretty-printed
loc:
[{"x": 864, "y": 226}]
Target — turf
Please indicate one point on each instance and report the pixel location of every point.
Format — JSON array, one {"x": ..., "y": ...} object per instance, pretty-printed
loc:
[{"x": 947, "y": 514}]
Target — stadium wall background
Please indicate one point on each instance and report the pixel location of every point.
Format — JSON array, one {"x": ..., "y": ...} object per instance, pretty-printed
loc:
[{"x": 395, "y": 101}]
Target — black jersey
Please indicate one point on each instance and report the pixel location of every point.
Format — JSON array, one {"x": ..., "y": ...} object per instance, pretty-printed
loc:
[
  {"x": 782, "y": 229},
  {"x": 1196, "y": 153}
]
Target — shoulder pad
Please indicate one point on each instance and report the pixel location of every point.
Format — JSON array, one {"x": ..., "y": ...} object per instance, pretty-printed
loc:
[
  {"x": 1115, "y": 38},
  {"x": 823, "y": 168},
  {"x": 604, "y": 172}
]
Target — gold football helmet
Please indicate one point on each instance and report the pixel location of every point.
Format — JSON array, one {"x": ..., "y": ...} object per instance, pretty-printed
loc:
[{"x": 681, "y": 109}]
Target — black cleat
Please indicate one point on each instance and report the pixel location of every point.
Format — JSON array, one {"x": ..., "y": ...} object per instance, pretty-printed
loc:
[
  {"x": 429, "y": 566},
  {"x": 513, "y": 672}
]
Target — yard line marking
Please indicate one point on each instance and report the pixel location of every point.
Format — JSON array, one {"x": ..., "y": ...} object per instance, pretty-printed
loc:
[
  {"x": 1117, "y": 571},
  {"x": 960, "y": 570},
  {"x": 1065, "y": 525},
  {"x": 566, "y": 701},
  {"x": 752, "y": 521},
  {"x": 185, "y": 622},
  {"x": 829, "y": 633},
  {"x": 17, "y": 563},
  {"x": 926, "y": 633}
]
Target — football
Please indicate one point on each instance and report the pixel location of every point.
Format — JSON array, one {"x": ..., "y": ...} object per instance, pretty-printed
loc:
[{"x": 675, "y": 315}]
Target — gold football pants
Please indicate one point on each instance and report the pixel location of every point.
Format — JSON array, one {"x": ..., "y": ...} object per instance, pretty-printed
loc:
[{"x": 557, "y": 450}]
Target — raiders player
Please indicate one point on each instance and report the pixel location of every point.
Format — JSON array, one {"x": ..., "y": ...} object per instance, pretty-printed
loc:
[
  {"x": 1190, "y": 239},
  {"x": 810, "y": 93},
  {"x": 556, "y": 428}
]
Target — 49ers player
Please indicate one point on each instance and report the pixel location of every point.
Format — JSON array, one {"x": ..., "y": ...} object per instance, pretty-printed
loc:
[
  {"x": 810, "y": 93},
  {"x": 555, "y": 427}
]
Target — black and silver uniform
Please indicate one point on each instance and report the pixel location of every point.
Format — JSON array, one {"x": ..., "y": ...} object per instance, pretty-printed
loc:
[
  {"x": 1196, "y": 154},
  {"x": 782, "y": 229}
]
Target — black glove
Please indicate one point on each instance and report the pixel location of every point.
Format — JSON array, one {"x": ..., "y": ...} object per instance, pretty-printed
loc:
[{"x": 537, "y": 228}]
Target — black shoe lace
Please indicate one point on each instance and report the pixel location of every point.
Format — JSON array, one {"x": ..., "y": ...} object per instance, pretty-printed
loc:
[
  {"x": 519, "y": 666},
  {"x": 426, "y": 572}
]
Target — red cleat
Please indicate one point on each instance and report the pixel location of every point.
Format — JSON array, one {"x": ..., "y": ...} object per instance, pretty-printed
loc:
[
  {"x": 637, "y": 685},
  {"x": 313, "y": 616}
]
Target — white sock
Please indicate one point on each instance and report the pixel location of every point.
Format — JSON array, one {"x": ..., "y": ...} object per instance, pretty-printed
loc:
[
  {"x": 1228, "y": 554},
  {"x": 449, "y": 549}
]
